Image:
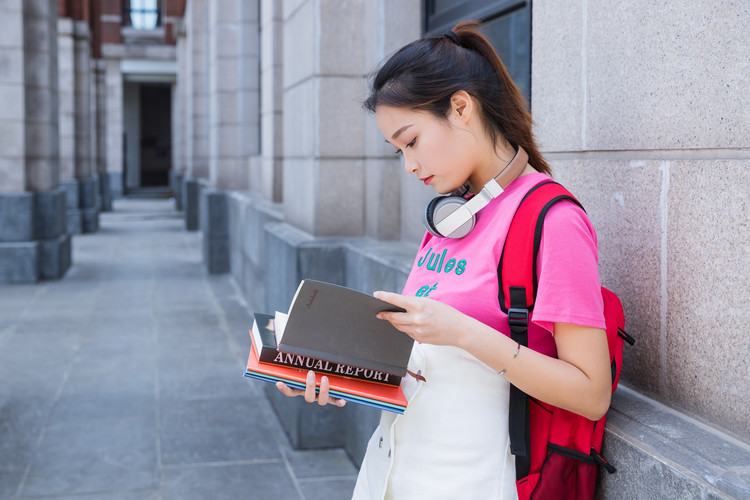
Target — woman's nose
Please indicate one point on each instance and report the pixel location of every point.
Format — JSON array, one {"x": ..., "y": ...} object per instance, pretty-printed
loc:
[{"x": 410, "y": 165}]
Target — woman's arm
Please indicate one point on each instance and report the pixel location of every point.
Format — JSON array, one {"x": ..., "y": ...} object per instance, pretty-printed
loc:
[{"x": 579, "y": 380}]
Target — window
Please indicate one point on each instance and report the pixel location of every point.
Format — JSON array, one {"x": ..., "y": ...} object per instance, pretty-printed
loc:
[
  {"x": 141, "y": 14},
  {"x": 506, "y": 23}
]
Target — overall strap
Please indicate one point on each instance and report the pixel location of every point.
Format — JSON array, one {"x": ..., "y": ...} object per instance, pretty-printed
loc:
[{"x": 517, "y": 292}]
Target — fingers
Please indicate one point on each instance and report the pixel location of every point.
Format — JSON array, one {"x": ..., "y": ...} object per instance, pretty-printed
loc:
[
  {"x": 323, "y": 398},
  {"x": 310, "y": 387}
]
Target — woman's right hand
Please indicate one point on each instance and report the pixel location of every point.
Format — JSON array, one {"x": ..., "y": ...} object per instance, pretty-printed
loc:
[{"x": 323, "y": 398}]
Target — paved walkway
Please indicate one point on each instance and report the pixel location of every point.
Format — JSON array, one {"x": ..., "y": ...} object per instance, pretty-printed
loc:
[{"x": 124, "y": 380}]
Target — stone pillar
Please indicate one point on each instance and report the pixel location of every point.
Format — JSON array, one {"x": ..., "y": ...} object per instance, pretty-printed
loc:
[
  {"x": 76, "y": 126},
  {"x": 114, "y": 116},
  {"x": 323, "y": 145},
  {"x": 232, "y": 91},
  {"x": 101, "y": 122},
  {"x": 266, "y": 170},
  {"x": 66, "y": 89},
  {"x": 393, "y": 201},
  {"x": 196, "y": 19},
  {"x": 84, "y": 171},
  {"x": 34, "y": 243}
]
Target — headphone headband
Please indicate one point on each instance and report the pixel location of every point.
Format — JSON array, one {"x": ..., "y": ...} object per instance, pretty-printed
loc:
[{"x": 464, "y": 212}]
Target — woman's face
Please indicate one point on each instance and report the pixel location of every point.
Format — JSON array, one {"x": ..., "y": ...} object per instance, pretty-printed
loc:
[{"x": 433, "y": 149}]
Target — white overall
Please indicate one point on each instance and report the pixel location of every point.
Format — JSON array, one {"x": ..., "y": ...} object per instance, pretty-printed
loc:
[{"x": 452, "y": 441}]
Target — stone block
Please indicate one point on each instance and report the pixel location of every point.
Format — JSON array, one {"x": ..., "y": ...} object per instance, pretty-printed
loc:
[
  {"x": 293, "y": 255},
  {"x": 89, "y": 220},
  {"x": 214, "y": 212},
  {"x": 87, "y": 192},
  {"x": 299, "y": 176},
  {"x": 671, "y": 51},
  {"x": 708, "y": 277},
  {"x": 291, "y": 6},
  {"x": 12, "y": 102},
  {"x": 214, "y": 222},
  {"x": 71, "y": 192},
  {"x": 74, "y": 219},
  {"x": 660, "y": 453},
  {"x": 339, "y": 204},
  {"x": 49, "y": 217},
  {"x": 382, "y": 204},
  {"x": 105, "y": 191},
  {"x": 115, "y": 184},
  {"x": 11, "y": 34},
  {"x": 191, "y": 203},
  {"x": 340, "y": 116},
  {"x": 176, "y": 184},
  {"x": 342, "y": 39},
  {"x": 12, "y": 139},
  {"x": 307, "y": 425},
  {"x": 55, "y": 257},
  {"x": 19, "y": 262},
  {"x": 11, "y": 66},
  {"x": 42, "y": 172},
  {"x": 16, "y": 217},
  {"x": 557, "y": 90},
  {"x": 300, "y": 57},
  {"x": 301, "y": 135},
  {"x": 378, "y": 265}
]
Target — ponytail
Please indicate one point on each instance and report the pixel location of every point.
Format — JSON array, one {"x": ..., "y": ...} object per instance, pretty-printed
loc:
[{"x": 425, "y": 74}]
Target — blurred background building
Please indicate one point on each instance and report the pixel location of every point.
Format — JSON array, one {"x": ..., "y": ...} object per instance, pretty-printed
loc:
[{"x": 249, "y": 113}]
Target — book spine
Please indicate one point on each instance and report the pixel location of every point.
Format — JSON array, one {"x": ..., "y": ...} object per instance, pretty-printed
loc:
[{"x": 275, "y": 357}]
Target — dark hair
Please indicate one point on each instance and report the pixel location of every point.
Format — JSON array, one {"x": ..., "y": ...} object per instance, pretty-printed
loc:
[{"x": 425, "y": 74}]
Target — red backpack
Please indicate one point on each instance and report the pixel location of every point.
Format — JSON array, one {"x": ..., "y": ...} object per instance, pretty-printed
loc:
[{"x": 557, "y": 452}]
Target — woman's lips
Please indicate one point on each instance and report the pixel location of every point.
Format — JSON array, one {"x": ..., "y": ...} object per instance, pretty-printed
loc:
[{"x": 427, "y": 180}]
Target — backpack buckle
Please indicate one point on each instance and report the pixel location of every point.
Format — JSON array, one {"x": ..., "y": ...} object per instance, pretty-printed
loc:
[{"x": 518, "y": 317}]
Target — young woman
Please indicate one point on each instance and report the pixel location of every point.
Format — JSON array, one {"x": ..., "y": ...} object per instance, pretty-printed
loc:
[{"x": 448, "y": 105}]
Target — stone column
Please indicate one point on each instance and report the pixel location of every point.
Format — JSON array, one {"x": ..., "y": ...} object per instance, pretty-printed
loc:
[
  {"x": 34, "y": 243},
  {"x": 232, "y": 77},
  {"x": 197, "y": 174},
  {"x": 101, "y": 123},
  {"x": 114, "y": 117},
  {"x": 266, "y": 170},
  {"x": 84, "y": 169},
  {"x": 323, "y": 145}
]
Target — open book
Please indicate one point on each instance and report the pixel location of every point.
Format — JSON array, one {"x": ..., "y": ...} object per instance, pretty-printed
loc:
[
  {"x": 267, "y": 350},
  {"x": 339, "y": 325}
]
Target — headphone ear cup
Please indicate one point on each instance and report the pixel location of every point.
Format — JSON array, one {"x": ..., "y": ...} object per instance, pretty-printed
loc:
[
  {"x": 440, "y": 208},
  {"x": 429, "y": 212}
]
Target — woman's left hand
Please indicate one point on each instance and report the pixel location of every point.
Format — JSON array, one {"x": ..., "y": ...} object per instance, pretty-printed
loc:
[{"x": 425, "y": 320}]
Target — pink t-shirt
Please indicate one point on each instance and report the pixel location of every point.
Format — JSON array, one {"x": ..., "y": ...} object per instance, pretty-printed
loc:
[{"x": 463, "y": 272}]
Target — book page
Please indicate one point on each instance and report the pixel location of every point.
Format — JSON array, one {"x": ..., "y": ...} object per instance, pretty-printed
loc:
[{"x": 280, "y": 324}]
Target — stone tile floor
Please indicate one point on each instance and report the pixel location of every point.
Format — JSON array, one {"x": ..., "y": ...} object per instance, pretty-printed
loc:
[{"x": 124, "y": 379}]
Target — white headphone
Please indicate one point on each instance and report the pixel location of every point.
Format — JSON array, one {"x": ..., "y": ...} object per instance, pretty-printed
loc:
[{"x": 453, "y": 216}]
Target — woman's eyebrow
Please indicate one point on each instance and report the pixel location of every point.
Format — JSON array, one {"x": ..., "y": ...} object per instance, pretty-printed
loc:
[{"x": 399, "y": 131}]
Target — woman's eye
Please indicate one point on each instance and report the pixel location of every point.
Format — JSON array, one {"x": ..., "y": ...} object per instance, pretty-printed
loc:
[{"x": 411, "y": 144}]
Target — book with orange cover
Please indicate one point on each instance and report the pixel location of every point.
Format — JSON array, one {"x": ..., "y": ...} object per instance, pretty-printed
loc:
[{"x": 371, "y": 394}]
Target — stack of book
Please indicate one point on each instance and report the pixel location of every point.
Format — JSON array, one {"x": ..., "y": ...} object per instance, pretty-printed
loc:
[{"x": 333, "y": 331}]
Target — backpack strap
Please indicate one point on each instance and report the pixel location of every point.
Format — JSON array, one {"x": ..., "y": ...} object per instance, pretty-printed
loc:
[{"x": 517, "y": 293}]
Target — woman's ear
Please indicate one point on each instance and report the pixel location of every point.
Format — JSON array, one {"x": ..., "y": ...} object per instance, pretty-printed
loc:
[{"x": 463, "y": 106}]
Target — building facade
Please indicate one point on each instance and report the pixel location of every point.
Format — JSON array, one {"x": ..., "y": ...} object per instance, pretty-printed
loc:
[
  {"x": 642, "y": 111},
  {"x": 288, "y": 179}
]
